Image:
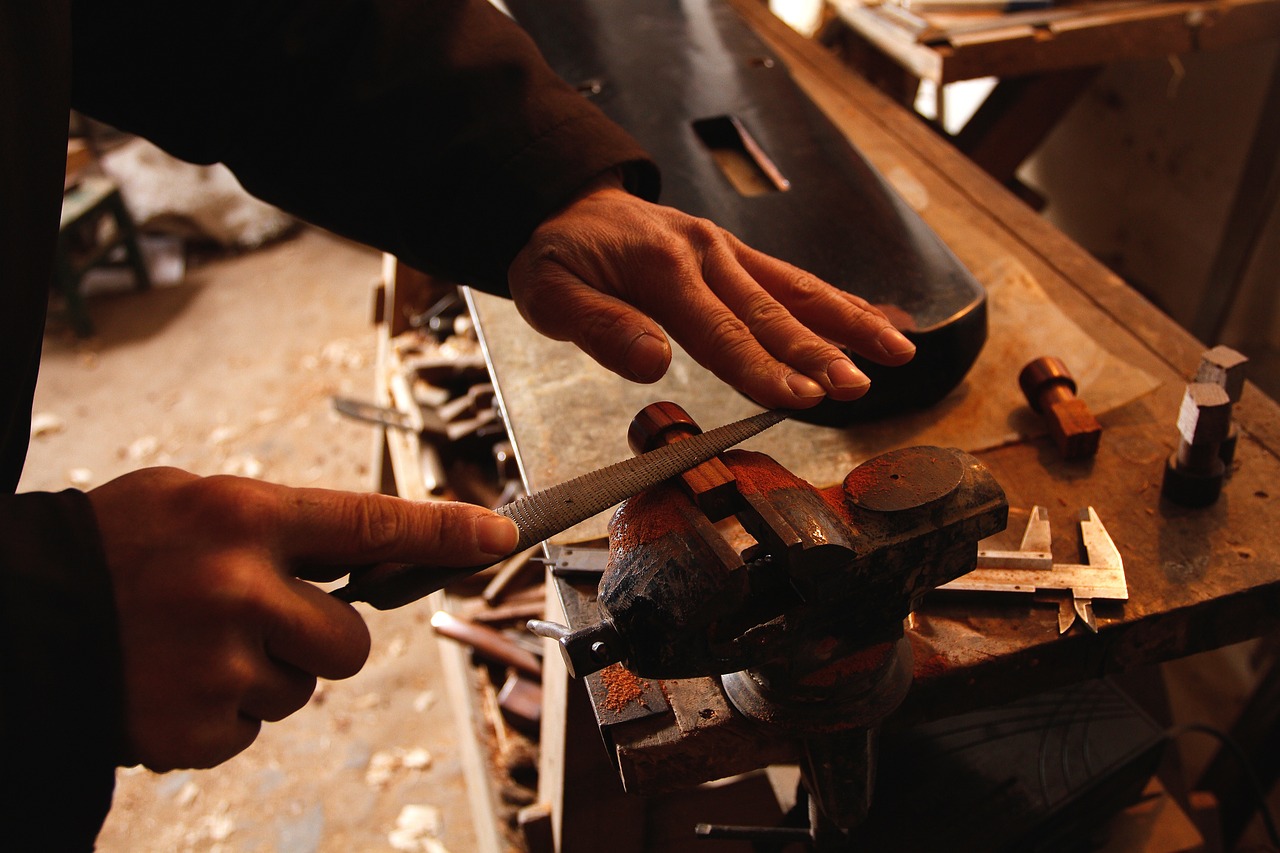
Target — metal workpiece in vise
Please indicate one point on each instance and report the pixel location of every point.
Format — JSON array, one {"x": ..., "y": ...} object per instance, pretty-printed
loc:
[{"x": 796, "y": 596}]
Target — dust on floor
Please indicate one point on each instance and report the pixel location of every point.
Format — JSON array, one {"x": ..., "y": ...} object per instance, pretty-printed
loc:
[{"x": 232, "y": 372}]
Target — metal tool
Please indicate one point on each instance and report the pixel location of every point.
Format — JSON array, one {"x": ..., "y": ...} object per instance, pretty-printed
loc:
[
  {"x": 373, "y": 413},
  {"x": 1225, "y": 367},
  {"x": 441, "y": 422},
  {"x": 1194, "y": 473},
  {"x": 550, "y": 511},
  {"x": 792, "y": 596},
  {"x": 1031, "y": 569}
]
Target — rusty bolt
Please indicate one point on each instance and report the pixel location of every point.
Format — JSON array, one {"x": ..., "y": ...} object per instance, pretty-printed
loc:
[
  {"x": 1224, "y": 366},
  {"x": 1051, "y": 391},
  {"x": 1193, "y": 474}
]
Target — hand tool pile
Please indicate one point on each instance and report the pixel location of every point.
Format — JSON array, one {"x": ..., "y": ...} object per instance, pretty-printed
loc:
[{"x": 440, "y": 394}]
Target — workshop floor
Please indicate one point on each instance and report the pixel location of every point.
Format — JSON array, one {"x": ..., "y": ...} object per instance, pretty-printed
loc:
[{"x": 231, "y": 372}]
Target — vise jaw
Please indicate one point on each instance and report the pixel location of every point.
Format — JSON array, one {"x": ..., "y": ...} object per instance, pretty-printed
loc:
[
  {"x": 783, "y": 573},
  {"x": 789, "y": 599}
]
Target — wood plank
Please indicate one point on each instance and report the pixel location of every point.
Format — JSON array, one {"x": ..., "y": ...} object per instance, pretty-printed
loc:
[
  {"x": 403, "y": 451},
  {"x": 1016, "y": 117},
  {"x": 949, "y": 46},
  {"x": 898, "y": 43}
]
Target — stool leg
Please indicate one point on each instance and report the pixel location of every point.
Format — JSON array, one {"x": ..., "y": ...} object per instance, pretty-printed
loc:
[
  {"x": 129, "y": 237},
  {"x": 67, "y": 281}
]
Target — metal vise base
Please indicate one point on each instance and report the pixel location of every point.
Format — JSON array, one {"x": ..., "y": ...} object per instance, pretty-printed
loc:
[{"x": 795, "y": 590}]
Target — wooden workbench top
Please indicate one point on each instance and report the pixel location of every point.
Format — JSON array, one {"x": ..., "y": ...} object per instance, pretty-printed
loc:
[{"x": 1197, "y": 579}]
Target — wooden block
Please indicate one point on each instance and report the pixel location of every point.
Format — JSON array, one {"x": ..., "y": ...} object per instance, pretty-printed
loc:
[{"x": 712, "y": 485}]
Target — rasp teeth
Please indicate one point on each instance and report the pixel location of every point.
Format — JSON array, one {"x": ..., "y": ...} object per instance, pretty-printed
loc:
[{"x": 550, "y": 511}]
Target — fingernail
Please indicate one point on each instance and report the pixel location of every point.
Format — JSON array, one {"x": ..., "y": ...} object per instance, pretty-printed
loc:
[
  {"x": 845, "y": 376},
  {"x": 804, "y": 387},
  {"x": 647, "y": 358},
  {"x": 894, "y": 342},
  {"x": 496, "y": 535}
]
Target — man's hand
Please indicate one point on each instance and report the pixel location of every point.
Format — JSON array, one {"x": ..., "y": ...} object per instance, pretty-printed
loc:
[
  {"x": 610, "y": 271},
  {"x": 218, "y": 629}
]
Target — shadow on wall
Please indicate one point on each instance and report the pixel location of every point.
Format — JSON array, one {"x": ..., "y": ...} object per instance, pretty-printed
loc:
[{"x": 1143, "y": 172}]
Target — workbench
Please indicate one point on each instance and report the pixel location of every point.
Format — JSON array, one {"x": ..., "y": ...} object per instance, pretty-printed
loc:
[
  {"x": 1198, "y": 579},
  {"x": 1043, "y": 57}
]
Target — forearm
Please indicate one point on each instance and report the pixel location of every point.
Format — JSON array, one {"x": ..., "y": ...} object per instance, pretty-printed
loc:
[
  {"x": 432, "y": 130},
  {"x": 60, "y": 701}
]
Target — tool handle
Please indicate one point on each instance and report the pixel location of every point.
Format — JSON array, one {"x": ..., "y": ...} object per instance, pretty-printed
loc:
[
  {"x": 489, "y": 643},
  {"x": 393, "y": 585}
]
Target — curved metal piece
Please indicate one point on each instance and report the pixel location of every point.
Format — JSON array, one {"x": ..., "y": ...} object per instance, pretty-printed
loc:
[{"x": 668, "y": 71}]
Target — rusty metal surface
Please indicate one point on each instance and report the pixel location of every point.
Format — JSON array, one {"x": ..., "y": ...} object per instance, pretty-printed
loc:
[
  {"x": 803, "y": 608},
  {"x": 848, "y": 562}
]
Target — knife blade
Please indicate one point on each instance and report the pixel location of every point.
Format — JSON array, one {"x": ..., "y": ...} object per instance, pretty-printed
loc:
[{"x": 549, "y": 511}]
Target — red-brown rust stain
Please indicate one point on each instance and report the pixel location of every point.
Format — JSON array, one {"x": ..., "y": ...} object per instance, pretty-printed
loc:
[
  {"x": 622, "y": 687},
  {"x": 878, "y": 477},
  {"x": 649, "y": 516},
  {"x": 858, "y": 663},
  {"x": 932, "y": 666},
  {"x": 759, "y": 474}
]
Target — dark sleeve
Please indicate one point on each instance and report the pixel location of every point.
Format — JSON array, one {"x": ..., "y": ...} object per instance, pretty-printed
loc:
[
  {"x": 431, "y": 129},
  {"x": 60, "y": 697}
]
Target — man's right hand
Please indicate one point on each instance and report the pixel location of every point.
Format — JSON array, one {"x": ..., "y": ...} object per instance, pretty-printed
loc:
[{"x": 219, "y": 627}]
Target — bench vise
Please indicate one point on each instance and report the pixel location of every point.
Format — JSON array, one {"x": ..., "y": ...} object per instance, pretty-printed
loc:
[{"x": 790, "y": 599}]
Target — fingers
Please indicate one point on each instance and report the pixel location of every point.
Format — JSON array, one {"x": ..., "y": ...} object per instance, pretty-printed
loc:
[
  {"x": 316, "y": 633},
  {"x": 610, "y": 269},
  {"x": 216, "y": 634},
  {"x": 828, "y": 311},
  {"x": 219, "y": 642},
  {"x": 321, "y": 526},
  {"x": 562, "y": 306},
  {"x": 278, "y": 692}
]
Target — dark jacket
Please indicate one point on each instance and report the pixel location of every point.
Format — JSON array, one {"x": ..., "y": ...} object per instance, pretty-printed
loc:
[{"x": 430, "y": 129}]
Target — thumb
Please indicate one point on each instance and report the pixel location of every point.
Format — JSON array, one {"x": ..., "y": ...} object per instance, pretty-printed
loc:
[{"x": 561, "y": 306}]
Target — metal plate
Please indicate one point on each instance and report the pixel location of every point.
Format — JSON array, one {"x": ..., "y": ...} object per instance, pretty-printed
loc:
[{"x": 663, "y": 70}]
